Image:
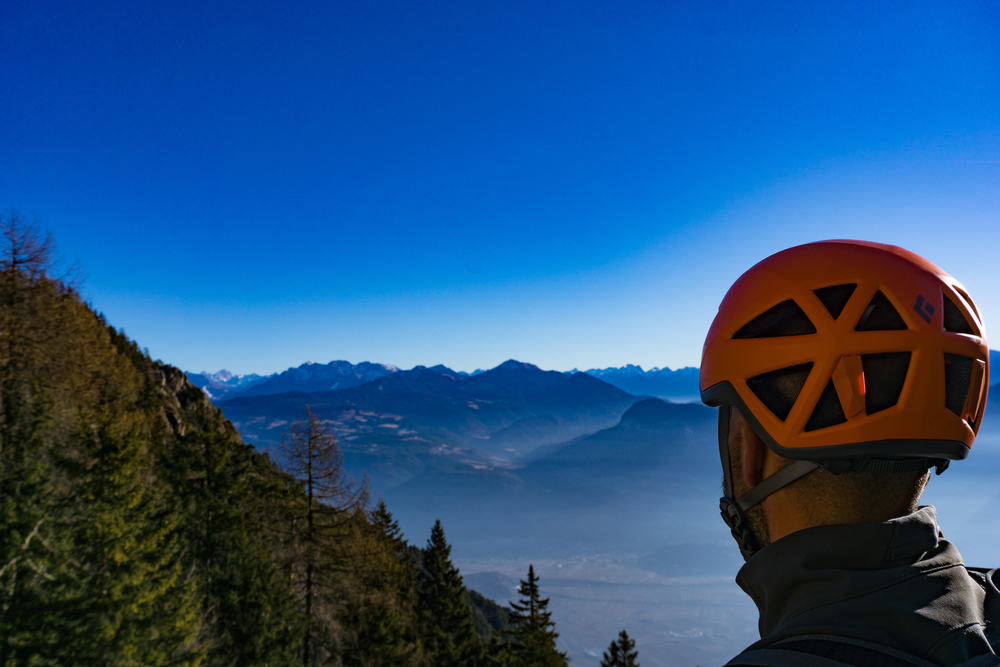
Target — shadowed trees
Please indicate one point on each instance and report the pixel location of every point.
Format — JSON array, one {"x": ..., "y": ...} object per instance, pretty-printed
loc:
[
  {"x": 532, "y": 631},
  {"x": 137, "y": 528},
  {"x": 450, "y": 633},
  {"x": 621, "y": 652}
]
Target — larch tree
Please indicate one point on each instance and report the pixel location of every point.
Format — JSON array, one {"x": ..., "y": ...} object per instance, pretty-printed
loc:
[{"x": 322, "y": 523}]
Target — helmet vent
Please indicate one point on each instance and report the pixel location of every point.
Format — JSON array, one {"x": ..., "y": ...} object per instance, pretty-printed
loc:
[
  {"x": 880, "y": 315},
  {"x": 957, "y": 377},
  {"x": 885, "y": 375},
  {"x": 777, "y": 390},
  {"x": 785, "y": 319},
  {"x": 969, "y": 301},
  {"x": 954, "y": 320},
  {"x": 828, "y": 410},
  {"x": 836, "y": 297}
]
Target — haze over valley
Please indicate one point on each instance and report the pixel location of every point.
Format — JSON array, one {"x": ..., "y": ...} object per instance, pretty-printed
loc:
[{"x": 611, "y": 494}]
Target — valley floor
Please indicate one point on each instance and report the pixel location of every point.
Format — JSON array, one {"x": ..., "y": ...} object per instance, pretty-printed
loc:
[{"x": 675, "y": 621}]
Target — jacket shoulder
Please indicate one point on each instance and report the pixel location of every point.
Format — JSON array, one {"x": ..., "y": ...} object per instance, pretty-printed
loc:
[{"x": 989, "y": 579}]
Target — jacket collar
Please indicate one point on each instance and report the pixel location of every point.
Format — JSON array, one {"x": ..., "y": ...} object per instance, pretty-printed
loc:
[{"x": 837, "y": 580}]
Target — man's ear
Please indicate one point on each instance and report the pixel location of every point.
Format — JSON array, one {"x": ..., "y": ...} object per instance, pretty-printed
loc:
[{"x": 754, "y": 453}]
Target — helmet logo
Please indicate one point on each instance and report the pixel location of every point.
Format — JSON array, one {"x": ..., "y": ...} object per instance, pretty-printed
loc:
[{"x": 924, "y": 308}]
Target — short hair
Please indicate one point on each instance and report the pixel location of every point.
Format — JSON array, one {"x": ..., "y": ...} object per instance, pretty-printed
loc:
[{"x": 828, "y": 499}]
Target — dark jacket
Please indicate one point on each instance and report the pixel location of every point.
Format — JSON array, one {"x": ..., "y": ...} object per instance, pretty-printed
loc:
[{"x": 898, "y": 584}]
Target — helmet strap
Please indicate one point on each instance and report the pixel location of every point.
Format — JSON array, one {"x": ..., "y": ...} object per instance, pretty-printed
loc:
[
  {"x": 739, "y": 527},
  {"x": 733, "y": 509}
]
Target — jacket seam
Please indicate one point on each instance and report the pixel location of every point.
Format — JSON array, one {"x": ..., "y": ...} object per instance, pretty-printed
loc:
[{"x": 950, "y": 635}]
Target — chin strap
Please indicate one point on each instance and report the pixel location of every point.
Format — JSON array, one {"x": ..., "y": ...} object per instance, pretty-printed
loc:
[
  {"x": 738, "y": 526},
  {"x": 733, "y": 509}
]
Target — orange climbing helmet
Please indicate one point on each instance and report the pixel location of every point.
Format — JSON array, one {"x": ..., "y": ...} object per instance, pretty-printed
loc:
[
  {"x": 847, "y": 355},
  {"x": 850, "y": 349}
]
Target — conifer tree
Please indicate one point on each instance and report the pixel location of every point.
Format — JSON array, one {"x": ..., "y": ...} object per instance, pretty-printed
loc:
[
  {"x": 378, "y": 621},
  {"x": 247, "y": 601},
  {"x": 136, "y": 598},
  {"x": 34, "y": 554},
  {"x": 621, "y": 652},
  {"x": 27, "y": 511},
  {"x": 450, "y": 634},
  {"x": 533, "y": 635},
  {"x": 383, "y": 521}
]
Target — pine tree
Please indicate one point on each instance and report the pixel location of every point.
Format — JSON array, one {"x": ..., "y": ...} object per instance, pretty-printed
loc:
[
  {"x": 450, "y": 634},
  {"x": 621, "y": 652},
  {"x": 379, "y": 624},
  {"x": 35, "y": 564},
  {"x": 136, "y": 597},
  {"x": 246, "y": 599},
  {"x": 383, "y": 521},
  {"x": 532, "y": 630}
]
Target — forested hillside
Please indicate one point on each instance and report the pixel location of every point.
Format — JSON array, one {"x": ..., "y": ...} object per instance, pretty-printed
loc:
[{"x": 136, "y": 528}]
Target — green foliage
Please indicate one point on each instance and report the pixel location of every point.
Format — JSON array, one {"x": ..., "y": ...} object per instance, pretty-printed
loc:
[
  {"x": 488, "y": 617},
  {"x": 33, "y": 553},
  {"x": 246, "y": 597},
  {"x": 621, "y": 652},
  {"x": 137, "y": 529},
  {"x": 135, "y": 598},
  {"x": 532, "y": 632},
  {"x": 450, "y": 635}
]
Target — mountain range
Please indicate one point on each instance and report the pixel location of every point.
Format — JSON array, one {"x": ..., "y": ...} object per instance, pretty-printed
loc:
[
  {"x": 503, "y": 443},
  {"x": 218, "y": 385},
  {"x": 679, "y": 385},
  {"x": 406, "y": 422}
]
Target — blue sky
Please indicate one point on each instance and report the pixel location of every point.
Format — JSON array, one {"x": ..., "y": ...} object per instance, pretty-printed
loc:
[{"x": 576, "y": 184}]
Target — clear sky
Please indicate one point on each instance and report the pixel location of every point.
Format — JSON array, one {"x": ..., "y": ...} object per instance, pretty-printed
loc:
[{"x": 253, "y": 185}]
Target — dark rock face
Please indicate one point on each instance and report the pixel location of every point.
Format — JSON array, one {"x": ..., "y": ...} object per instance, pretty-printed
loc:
[{"x": 183, "y": 402}]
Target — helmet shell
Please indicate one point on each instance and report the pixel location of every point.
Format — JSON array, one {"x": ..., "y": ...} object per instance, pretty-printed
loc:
[{"x": 921, "y": 422}]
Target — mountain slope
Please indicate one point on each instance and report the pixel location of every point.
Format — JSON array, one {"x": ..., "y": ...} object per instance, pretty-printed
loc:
[
  {"x": 410, "y": 422},
  {"x": 657, "y": 467},
  {"x": 651, "y": 434},
  {"x": 471, "y": 408}
]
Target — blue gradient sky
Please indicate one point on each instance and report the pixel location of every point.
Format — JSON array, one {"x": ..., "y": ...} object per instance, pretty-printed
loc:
[{"x": 576, "y": 184}]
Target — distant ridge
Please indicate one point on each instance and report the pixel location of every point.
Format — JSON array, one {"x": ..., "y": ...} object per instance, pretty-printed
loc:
[
  {"x": 679, "y": 385},
  {"x": 433, "y": 419},
  {"x": 219, "y": 385},
  {"x": 310, "y": 377}
]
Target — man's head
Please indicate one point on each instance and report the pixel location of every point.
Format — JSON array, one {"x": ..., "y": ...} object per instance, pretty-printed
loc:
[
  {"x": 842, "y": 370},
  {"x": 819, "y": 498}
]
